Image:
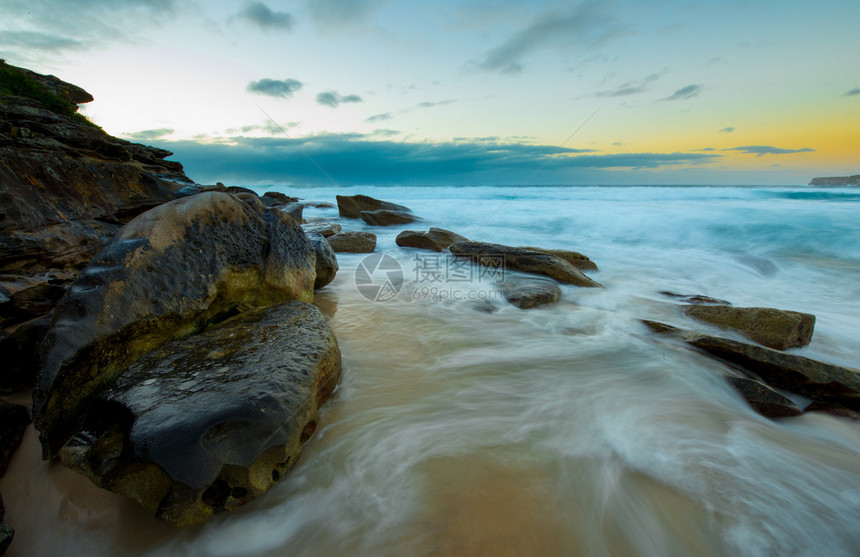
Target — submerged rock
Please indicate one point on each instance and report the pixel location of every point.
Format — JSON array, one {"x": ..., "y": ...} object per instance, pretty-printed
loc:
[
  {"x": 353, "y": 241},
  {"x": 531, "y": 294},
  {"x": 827, "y": 383},
  {"x": 578, "y": 260},
  {"x": 774, "y": 328},
  {"x": 384, "y": 217},
  {"x": 207, "y": 423},
  {"x": 763, "y": 399},
  {"x": 326, "y": 265},
  {"x": 351, "y": 206},
  {"x": 169, "y": 273},
  {"x": 497, "y": 255},
  {"x": 435, "y": 239},
  {"x": 695, "y": 298}
]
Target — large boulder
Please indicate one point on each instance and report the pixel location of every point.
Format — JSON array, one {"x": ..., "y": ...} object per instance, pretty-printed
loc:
[
  {"x": 207, "y": 423},
  {"x": 578, "y": 260},
  {"x": 826, "y": 383},
  {"x": 384, "y": 217},
  {"x": 351, "y": 206},
  {"x": 435, "y": 239},
  {"x": 353, "y": 241},
  {"x": 326, "y": 265},
  {"x": 169, "y": 273},
  {"x": 529, "y": 261},
  {"x": 774, "y": 328}
]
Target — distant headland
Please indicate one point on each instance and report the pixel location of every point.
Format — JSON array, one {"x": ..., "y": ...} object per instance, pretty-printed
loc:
[{"x": 837, "y": 181}]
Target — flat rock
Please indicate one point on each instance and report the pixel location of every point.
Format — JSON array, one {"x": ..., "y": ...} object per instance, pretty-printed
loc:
[
  {"x": 351, "y": 206},
  {"x": 326, "y": 264},
  {"x": 774, "y": 328},
  {"x": 532, "y": 294},
  {"x": 826, "y": 383},
  {"x": 14, "y": 418},
  {"x": 529, "y": 261},
  {"x": 435, "y": 239},
  {"x": 207, "y": 423},
  {"x": 169, "y": 273},
  {"x": 578, "y": 260},
  {"x": 695, "y": 299},
  {"x": 763, "y": 399},
  {"x": 384, "y": 217},
  {"x": 353, "y": 241},
  {"x": 325, "y": 228}
]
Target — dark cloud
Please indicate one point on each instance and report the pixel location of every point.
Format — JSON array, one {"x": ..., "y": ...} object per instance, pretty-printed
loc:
[
  {"x": 687, "y": 92},
  {"x": 761, "y": 150},
  {"x": 341, "y": 12},
  {"x": 362, "y": 159},
  {"x": 852, "y": 92},
  {"x": 730, "y": 129},
  {"x": 275, "y": 88},
  {"x": 334, "y": 99},
  {"x": 149, "y": 135},
  {"x": 585, "y": 24},
  {"x": 260, "y": 14}
]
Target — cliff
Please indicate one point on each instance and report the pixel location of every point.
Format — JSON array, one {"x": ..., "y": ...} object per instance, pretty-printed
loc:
[{"x": 837, "y": 181}]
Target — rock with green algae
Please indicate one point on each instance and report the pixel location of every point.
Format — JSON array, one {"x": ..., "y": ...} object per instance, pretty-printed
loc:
[
  {"x": 774, "y": 328},
  {"x": 204, "y": 424},
  {"x": 169, "y": 273}
]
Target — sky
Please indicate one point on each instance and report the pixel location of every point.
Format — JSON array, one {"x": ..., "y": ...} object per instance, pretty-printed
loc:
[{"x": 353, "y": 92}]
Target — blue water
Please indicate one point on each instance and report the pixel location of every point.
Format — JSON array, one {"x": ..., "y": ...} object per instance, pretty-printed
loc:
[{"x": 566, "y": 430}]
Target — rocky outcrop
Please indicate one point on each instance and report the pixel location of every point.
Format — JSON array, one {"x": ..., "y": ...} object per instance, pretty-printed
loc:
[
  {"x": 351, "y": 206},
  {"x": 774, "y": 328},
  {"x": 578, "y": 260},
  {"x": 507, "y": 257},
  {"x": 837, "y": 181},
  {"x": 825, "y": 383},
  {"x": 204, "y": 424},
  {"x": 763, "y": 399},
  {"x": 531, "y": 294},
  {"x": 13, "y": 419},
  {"x": 353, "y": 241},
  {"x": 169, "y": 273},
  {"x": 326, "y": 261},
  {"x": 384, "y": 217},
  {"x": 435, "y": 239}
]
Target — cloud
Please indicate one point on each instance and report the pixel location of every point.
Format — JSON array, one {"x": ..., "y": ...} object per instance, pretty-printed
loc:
[
  {"x": 852, "y": 92},
  {"x": 260, "y": 14},
  {"x": 149, "y": 135},
  {"x": 761, "y": 150},
  {"x": 274, "y": 88},
  {"x": 364, "y": 159},
  {"x": 380, "y": 117},
  {"x": 430, "y": 104},
  {"x": 341, "y": 12},
  {"x": 333, "y": 99},
  {"x": 730, "y": 129},
  {"x": 687, "y": 92},
  {"x": 38, "y": 41},
  {"x": 630, "y": 88},
  {"x": 425, "y": 104},
  {"x": 584, "y": 24}
]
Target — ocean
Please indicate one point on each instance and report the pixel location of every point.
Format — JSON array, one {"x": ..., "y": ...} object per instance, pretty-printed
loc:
[{"x": 563, "y": 430}]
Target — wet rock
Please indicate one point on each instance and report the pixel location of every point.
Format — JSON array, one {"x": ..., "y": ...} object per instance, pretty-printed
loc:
[
  {"x": 19, "y": 352},
  {"x": 207, "y": 423},
  {"x": 353, "y": 241},
  {"x": 169, "y": 273},
  {"x": 435, "y": 239},
  {"x": 276, "y": 199},
  {"x": 326, "y": 264},
  {"x": 14, "y": 418},
  {"x": 769, "y": 327},
  {"x": 695, "y": 299},
  {"x": 497, "y": 255},
  {"x": 239, "y": 189},
  {"x": 351, "y": 206},
  {"x": 763, "y": 399},
  {"x": 6, "y": 531},
  {"x": 578, "y": 260},
  {"x": 194, "y": 189},
  {"x": 327, "y": 229},
  {"x": 294, "y": 210},
  {"x": 531, "y": 294},
  {"x": 384, "y": 217},
  {"x": 826, "y": 383}
]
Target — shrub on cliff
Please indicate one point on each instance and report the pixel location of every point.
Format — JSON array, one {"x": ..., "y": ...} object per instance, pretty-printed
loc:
[{"x": 15, "y": 81}]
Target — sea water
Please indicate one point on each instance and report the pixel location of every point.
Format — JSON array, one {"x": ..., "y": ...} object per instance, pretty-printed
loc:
[{"x": 466, "y": 426}]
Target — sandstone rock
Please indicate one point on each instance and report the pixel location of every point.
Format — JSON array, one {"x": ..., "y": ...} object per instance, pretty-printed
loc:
[
  {"x": 695, "y": 298},
  {"x": 326, "y": 265},
  {"x": 384, "y": 217},
  {"x": 522, "y": 260},
  {"x": 773, "y": 328},
  {"x": 19, "y": 352},
  {"x": 763, "y": 399},
  {"x": 578, "y": 260},
  {"x": 280, "y": 197},
  {"x": 14, "y": 418},
  {"x": 532, "y": 294},
  {"x": 194, "y": 189},
  {"x": 353, "y": 241},
  {"x": 170, "y": 272},
  {"x": 325, "y": 228},
  {"x": 351, "y": 206},
  {"x": 207, "y": 423},
  {"x": 294, "y": 210},
  {"x": 819, "y": 381},
  {"x": 435, "y": 239},
  {"x": 239, "y": 189}
]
